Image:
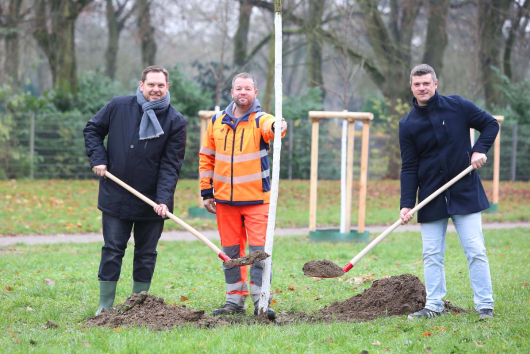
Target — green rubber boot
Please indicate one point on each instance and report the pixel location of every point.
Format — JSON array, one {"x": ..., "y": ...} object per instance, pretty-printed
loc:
[
  {"x": 107, "y": 293},
  {"x": 138, "y": 287}
]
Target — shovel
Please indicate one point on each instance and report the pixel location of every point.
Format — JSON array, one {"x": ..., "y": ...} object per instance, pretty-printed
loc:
[
  {"x": 326, "y": 269},
  {"x": 252, "y": 258}
]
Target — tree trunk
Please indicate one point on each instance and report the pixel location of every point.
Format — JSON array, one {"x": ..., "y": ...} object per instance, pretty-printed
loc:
[
  {"x": 269, "y": 88},
  {"x": 146, "y": 32},
  {"x": 55, "y": 34},
  {"x": 314, "y": 44},
  {"x": 491, "y": 17},
  {"x": 241, "y": 37},
  {"x": 12, "y": 58},
  {"x": 113, "y": 40},
  {"x": 516, "y": 22},
  {"x": 436, "y": 34},
  {"x": 392, "y": 48}
]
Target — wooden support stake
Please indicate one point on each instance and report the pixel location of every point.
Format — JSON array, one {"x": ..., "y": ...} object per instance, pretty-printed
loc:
[
  {"x": 349, "y": 174},
  {"x": 314, "y": 177},
  {"x": 364, "y": 176},
  {"x": 497, "y": 161}
]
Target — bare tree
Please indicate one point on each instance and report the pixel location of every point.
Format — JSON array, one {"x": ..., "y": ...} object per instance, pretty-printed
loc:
[
  {"x": 436, "y": 40},
  {"x": 313, "y": 28},
  {"x": 519, "y": 20},
  {"x": 491, "y": 17},
  {"x": 241, "y": 36},
  {"x": 117, "y": 13},
  {"x": 10, "y": 22},
  {"x": 55, "y": 34},
  {"x": 146, "y": 32}
]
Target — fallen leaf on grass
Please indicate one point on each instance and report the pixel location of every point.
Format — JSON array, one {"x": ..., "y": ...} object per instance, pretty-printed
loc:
[
  {"x": 426, "y": 334},
  {"x": 525, "y": 285},
  {"x": 376, "y": 343},
  {"x": 291, "y": 287},
  {"x": 329, "y": 340},
  {"x": 9, "y": 288},
  {"x": 363, "y": 279},
  {"x": 29, "y": 309},
  {"x": 49, "y": 281},
  {"x": 117, "y": 329},
  {"x": 183, "y": 298},
  {"x": 478, "y": 345},
  {"x": 273, "y": 302},
  {"x": 86, "y": 344}
]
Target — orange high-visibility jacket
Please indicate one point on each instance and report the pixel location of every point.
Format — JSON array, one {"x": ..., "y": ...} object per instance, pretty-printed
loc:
[{"x": 235, "y": 162}]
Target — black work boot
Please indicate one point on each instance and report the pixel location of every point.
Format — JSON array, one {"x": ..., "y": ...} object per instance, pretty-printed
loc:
[{"x": 229, "y": 309}]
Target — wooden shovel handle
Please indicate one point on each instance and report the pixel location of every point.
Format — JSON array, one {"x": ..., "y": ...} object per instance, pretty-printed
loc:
[
  {"x": 381, "y": 237},
  {"x": 194, "y": 232}
]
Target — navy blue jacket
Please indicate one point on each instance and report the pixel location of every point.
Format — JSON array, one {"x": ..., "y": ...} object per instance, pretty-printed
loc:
[
  {"x": 435, "y": 147},
  {"x": 150, "y": 166}
]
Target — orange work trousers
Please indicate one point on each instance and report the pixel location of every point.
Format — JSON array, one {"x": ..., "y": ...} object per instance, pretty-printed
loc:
[{"x": 237, "y": 224}]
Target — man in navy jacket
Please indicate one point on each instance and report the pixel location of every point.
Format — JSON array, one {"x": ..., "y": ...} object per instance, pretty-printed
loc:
[
  {"x": 435, "y": 147},
  {"x": 146, "y": 141}
]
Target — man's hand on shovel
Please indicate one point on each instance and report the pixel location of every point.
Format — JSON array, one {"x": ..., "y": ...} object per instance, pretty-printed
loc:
[
  {"x": 161, "y": 209},
  {"x": 100, "y": 170},
  {"x": 405, "y": 215}
]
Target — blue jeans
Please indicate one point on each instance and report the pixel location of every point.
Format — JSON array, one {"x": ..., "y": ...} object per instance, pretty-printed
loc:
[{"x": 469, "y": 228}]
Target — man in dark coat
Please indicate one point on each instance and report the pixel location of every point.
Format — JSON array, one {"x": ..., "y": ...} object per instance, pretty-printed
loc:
[
  {"x": 146, "y": 141},
  {"x": 435, "y": 147}
]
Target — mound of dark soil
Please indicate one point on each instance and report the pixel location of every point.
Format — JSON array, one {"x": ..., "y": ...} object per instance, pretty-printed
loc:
[
  {"x": 393, "y": 296},
  {"x": 151, "y": 311},
  {"x": 251, "y": 258},
  {"x": 397, "y": 295},
  {"x": 322, "y": 269}
]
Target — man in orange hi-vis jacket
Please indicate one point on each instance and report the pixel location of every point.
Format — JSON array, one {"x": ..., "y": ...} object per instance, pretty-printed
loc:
[{"x": 235, "y": 185}]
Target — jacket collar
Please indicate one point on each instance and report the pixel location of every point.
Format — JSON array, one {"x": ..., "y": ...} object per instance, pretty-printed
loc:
[
  {"x": 431, "y": 103},
  {"x": 256, "y": 107}
]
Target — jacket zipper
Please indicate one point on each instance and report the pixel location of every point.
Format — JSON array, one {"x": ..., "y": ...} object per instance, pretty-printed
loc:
[
  {"x": 232, "y": 169},
  {"x": 241, "y": 145},
  {"x": 226, "y": 136}
]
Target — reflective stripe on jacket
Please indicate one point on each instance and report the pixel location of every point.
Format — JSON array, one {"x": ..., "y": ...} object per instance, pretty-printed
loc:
[{"x": 235, "y": 162}]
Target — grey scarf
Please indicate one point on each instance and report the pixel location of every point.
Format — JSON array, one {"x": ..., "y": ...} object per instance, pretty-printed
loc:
[{"x": 149, "y": 126}]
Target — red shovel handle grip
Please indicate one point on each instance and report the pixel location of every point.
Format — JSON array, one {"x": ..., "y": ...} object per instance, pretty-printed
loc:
[
  {"x": 347, "y": 267},
  {"x": 224, "y": 257}
]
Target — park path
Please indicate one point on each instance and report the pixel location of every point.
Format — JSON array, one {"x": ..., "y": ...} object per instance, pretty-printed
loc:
[{"x": 214, "y": 235}]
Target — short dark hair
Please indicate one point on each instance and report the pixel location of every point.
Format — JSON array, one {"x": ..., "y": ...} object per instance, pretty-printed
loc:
[
  {"x": 154, "y": 69},
  {"x": 245, "y": 76},
  {"x": 422, "y": 69}
]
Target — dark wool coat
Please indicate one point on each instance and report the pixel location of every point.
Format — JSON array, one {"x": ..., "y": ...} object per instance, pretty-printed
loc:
[
  {"x": 435, "y": 147},
  {"x": 150, "y": 166}
]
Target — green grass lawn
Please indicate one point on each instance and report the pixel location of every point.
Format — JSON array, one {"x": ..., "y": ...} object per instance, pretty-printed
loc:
[
  {"x": 69, "y": 206},
  {"x": 59, "y": 283}
]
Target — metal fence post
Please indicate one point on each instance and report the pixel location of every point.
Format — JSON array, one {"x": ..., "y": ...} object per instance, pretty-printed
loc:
[
  {"x": 514, "y": 151},
  {"x": 31, "y": 143}
]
